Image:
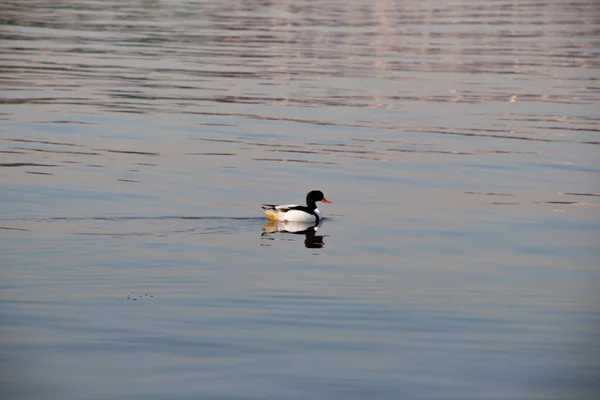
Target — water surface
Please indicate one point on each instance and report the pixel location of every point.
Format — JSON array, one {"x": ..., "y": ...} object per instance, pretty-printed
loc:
[{"x": 458, "y": 141}]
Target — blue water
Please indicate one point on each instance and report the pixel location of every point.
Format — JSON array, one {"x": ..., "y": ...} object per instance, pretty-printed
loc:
[{"x": 458, "y": 143}]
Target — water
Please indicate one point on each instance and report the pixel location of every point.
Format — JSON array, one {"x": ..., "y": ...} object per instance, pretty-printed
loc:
[{"x": 458, "y": 141}]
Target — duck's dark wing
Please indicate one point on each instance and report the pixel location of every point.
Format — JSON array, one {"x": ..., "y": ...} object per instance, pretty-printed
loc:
[
  {"x": 301, "y": 208},
  {"x": 284, "y": 208}
]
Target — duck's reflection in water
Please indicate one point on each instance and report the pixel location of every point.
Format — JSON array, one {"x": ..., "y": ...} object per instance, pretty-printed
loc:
[{"x": 309, "y": 230}]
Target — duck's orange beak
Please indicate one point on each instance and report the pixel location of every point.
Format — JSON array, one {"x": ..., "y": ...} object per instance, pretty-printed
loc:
[{"x": 326, "y": 201}]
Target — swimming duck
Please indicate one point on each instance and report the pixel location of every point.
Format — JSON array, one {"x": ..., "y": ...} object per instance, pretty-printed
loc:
[{"x": 295, "y": 213}]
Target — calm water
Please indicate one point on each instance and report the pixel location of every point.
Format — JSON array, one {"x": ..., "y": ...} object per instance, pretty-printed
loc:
[{"x": 459, "y": 143}]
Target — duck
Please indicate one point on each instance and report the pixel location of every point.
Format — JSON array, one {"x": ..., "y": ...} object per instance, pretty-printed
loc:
[{"x": 295, "y": 213}]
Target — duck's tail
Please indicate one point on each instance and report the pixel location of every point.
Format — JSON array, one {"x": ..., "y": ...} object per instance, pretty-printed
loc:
[{"x": 271, "y": 211}]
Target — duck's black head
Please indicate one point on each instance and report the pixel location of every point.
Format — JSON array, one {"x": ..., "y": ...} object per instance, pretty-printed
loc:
[{"x": 316, "y": 195}]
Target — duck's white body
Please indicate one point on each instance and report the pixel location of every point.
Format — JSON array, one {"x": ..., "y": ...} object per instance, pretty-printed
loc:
[
  {"x": 286, "y": 213},
  {"x": 295, "y": 213}
]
